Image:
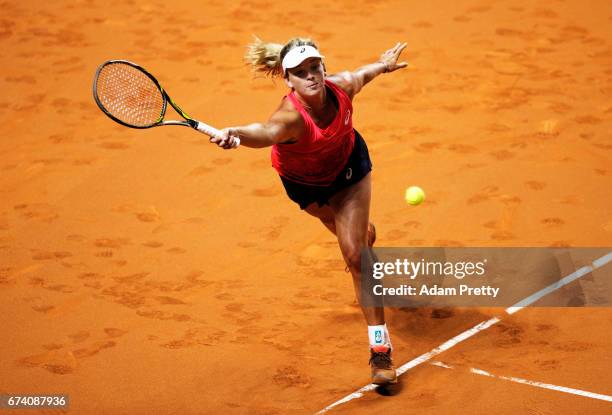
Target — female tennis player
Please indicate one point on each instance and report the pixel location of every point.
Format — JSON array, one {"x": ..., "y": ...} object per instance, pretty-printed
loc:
[{"x": 322, "y": 161}]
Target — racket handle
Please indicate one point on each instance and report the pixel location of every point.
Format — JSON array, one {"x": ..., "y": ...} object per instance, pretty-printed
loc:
[{"x": 211, "y": 131}]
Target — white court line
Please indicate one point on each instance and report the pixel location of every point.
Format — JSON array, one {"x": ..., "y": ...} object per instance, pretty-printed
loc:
[
  {"x": 557, "y": 388},
  {"x": 598, "y": 263},
  {"x": 418, "y": 360}
]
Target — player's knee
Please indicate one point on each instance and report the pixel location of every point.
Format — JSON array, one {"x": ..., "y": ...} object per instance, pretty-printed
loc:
[{"x": 352, "y": 255}]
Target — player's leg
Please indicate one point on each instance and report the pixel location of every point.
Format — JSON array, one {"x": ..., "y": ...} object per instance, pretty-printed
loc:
[
  {"x": 351, "y": 207},
  {"x": 324, "y": 213},
  {"x": 327, "y": 217}
]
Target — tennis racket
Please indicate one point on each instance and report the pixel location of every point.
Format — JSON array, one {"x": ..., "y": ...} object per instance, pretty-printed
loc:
[{"x": 131, "y": 96}]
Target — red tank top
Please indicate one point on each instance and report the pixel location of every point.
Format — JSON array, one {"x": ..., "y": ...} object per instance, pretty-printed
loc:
[{"x": 321, "y": 153}]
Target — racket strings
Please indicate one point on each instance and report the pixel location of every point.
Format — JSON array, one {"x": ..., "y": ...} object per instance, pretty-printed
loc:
[{"x": 129, "y": 95}]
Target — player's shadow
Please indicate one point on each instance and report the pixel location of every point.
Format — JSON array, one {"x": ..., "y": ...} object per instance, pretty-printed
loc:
[{"x": 390, "y": 389}]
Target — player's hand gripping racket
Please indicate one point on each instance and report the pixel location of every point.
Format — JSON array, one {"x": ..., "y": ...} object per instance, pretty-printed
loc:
[{"x": 131, "y": 96}]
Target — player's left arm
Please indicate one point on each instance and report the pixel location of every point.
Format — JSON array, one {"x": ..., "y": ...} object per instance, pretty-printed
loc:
[{"x": 353, "y": 81}]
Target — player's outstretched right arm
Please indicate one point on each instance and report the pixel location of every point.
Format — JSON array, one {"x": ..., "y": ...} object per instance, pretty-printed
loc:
[{"x": 285, "y": 125}]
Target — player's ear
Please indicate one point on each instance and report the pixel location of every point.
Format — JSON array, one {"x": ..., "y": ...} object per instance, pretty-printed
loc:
[
  {"x": 288, "y": 82},
  {"x": 324, "y": 68}
]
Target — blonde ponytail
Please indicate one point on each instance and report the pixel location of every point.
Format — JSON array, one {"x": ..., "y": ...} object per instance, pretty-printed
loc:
[{"x": 267, "y": 57}]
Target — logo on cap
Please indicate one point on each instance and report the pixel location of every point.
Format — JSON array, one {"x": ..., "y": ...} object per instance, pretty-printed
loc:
[{"x": 302, "y": 50}]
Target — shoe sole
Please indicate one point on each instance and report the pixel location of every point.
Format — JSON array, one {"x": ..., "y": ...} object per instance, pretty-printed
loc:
[
  {"x": 382, "y": 382},
  {"x": 371, "y": 236}
]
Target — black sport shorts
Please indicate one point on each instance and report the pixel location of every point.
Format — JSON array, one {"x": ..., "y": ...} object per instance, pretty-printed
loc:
[{"x": 356, "y": 168}]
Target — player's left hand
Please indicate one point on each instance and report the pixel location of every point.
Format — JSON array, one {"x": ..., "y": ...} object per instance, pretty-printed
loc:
[{"x": 390, "y": 57}]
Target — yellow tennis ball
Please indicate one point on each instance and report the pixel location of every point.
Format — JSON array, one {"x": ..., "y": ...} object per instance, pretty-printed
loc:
[{"x": 414, "y": 195}]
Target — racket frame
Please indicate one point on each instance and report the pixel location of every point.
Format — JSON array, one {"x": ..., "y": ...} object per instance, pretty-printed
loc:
[{"x": 189, "y": 122}]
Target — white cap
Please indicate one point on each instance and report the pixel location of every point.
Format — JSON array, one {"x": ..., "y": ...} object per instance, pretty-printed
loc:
[{"x": 298, "y": 55}]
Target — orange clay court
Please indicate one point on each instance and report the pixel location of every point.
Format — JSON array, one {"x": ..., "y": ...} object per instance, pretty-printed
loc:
[{"x": 151, "y": 272}]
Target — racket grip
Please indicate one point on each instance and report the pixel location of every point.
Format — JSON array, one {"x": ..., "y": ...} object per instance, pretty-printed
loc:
[{"x": 211, "y": 131}]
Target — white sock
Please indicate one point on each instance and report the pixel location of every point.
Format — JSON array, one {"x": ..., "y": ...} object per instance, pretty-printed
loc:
[{"x": 379, "y": 335}]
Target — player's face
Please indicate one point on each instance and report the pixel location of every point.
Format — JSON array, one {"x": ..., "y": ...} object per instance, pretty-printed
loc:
[{"x": 308, "y": 77}]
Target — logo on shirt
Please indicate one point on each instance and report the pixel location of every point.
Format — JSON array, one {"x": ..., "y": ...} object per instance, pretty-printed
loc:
[
  {"x": 349, "y": 173},
  {"x": 346, "y": 119}
]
